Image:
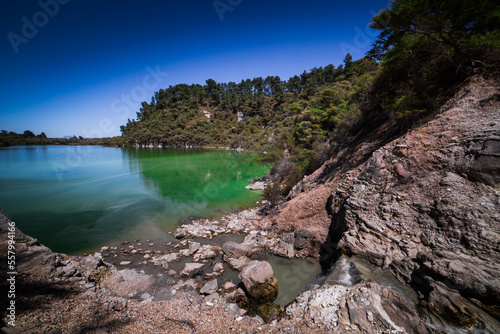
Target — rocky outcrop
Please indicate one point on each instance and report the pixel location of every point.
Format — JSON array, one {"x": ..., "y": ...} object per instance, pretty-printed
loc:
[
  {"x": 259, "y": 281},
  {"x": 427, "y": 208},
  {"x": 363, "y": 308}
]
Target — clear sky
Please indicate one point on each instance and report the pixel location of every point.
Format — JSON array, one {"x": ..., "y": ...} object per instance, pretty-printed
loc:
[{"x": 82, "y": 67}]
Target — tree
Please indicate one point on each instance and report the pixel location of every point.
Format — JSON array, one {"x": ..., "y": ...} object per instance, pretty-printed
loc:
[
  {"x": 28, "y": 134},
  {"x": 428, "y": 46},
  {"x": 348, "y": 62},
  {"x": 213, "y": 91}
]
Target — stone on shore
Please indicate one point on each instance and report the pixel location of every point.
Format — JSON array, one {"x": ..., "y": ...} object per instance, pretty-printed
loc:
[
  {"x": 284, "y": 249},
  {"x": 206, "y": 252},
  {"x": 192, "y": 269},
  {"x": 259, "y": 185},
  {"x": 239, "y": 263},
  {"x": 233, "y": 249},
  {"x": 128, "y": 283},
  {"x": 259, "y": 281},
  {"x": 210, "y": 287}
]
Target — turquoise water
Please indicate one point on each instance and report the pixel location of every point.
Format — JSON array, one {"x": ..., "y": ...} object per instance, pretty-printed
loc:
[{"x": 76, "y": 198}]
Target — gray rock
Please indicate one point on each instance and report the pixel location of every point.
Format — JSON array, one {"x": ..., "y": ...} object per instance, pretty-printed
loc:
[
  {"x": 193, "y": 247},
  {"x": 233, "y": 249},
  {"x": 289, "y": 238},
  {"x": 259, "y": 185},
  {"x": 367, "y": 306},
  {"x": 239, "y": 263},
  {"x": 218, "y": 267},
  {"x": 236, "y": 296},
  {"x": 302, "y": 238},
  {"x": 233, "y": 309},
  {"x": 284, "y": 249},
  {"x": 210, "y": 287},
  {"x": 191, "y": 269},
  {"x": 206, "y": 252},
  {"x": 128, "y": 283},
  {"x": 166, "y": 259},
  {"x": 229, "y": 286}
]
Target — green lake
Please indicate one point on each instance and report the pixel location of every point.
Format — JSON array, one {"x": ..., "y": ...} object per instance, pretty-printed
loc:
[{"x": 77, "y": 198}]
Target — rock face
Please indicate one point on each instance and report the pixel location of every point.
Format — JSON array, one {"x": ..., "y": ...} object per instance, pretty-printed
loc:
[
  {"x": 426, "y": 206},
  {"x": 259, "y": 281},
  {"x": 364, "y": 308}
]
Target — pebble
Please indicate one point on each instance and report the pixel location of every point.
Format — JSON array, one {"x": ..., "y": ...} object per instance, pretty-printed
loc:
[{"x": 125, "y": 263}]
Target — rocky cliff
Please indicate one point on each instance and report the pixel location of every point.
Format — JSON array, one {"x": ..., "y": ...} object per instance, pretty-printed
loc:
[{"x": 424, "y": 206}]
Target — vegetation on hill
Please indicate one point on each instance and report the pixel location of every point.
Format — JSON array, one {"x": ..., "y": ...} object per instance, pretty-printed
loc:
[
  {"x": 294, "y": 121},
  {"x": 28, "y": 138},
  {"x": 425, "y": 49}
]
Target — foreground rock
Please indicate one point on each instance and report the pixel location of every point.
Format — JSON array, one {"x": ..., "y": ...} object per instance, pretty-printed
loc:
[
  {"x": 363, "y": 308},
  {"x": 259, "y": 281}
]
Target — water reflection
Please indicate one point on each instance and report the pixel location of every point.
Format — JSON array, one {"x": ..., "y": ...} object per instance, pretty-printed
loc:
[
  {"x": 197, "y": 182},
  {"x": 109, "y": 192}
]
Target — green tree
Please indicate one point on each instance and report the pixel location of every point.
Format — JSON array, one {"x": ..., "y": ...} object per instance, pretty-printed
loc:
[
  {"x": 28, "y": 134},
  {"x": 428, "y": 46},
  {"x": 348, "y": 62}
]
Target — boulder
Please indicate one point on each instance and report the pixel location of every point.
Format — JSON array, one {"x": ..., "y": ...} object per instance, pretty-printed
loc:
[
  {"x": 229, "y": 286},
  {"x": 210, "y": 287},
  {"x": 302, "y": 238},
  {"x": 233, "y": 249},
  {"x": 219, "y": 267},
  {"x": 206, "y": 252},
  {"x": 239, "y": 263},
  {"x": 236, "y": 296},
  {"x": 128, "y": 283},
  {"x": 284, "y": 249},
  {"x": 259, "y": 281},
  {"x": 193, "y": 247}
]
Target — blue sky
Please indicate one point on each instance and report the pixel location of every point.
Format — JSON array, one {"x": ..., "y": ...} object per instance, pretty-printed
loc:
[{"x": 75, "y": 67}]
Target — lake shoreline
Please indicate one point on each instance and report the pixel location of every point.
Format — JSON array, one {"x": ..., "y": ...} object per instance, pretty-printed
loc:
[{"x": 128, "y": 286}]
